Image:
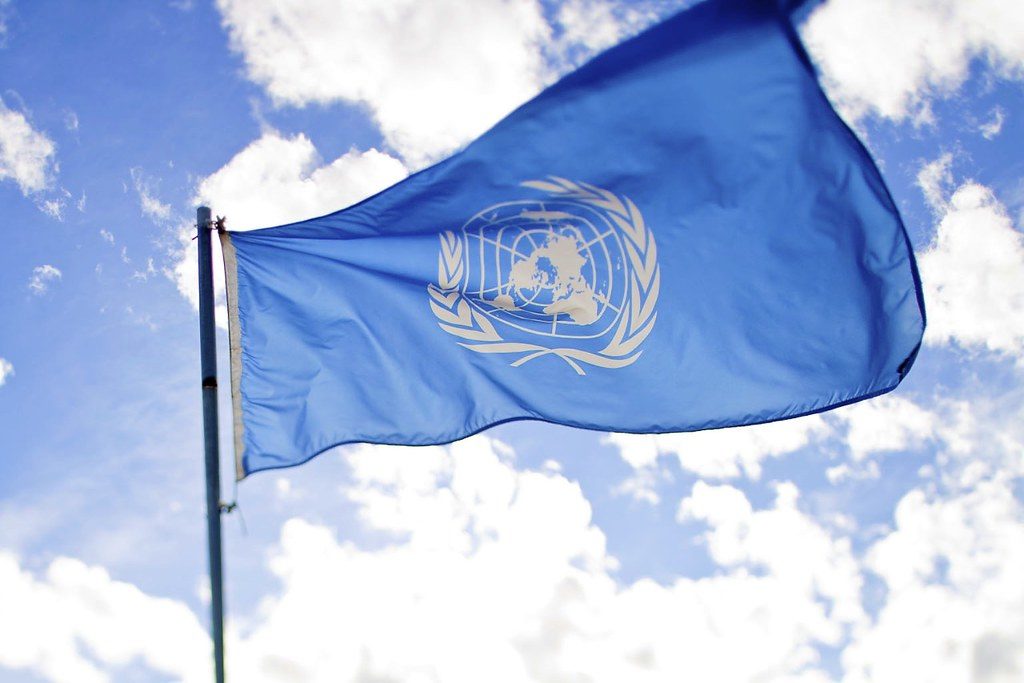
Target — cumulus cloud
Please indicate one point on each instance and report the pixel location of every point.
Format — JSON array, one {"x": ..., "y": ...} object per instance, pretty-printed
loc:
[
  {"x": 42, "y": 277},
  {"x": 78, "y": 624},
  {"x": 486, "y": 572},
  {"x": 585, "y": 27},
  {"x": 495, "y": 573},
  {"x": 432, "y": 74},
  {"x": 891, "y": 58},
  {"x": 973, "y": 273},
  {"x": 722, "y": 453},
  {"x": 6, "y": 370},
  {"x": 276, "y": 180},
  {"x": 27, "y": 156},
  {"x": 480, "y": 570},
  {"x": 951, "y": 561},
  {"x": 781, "y": 540},
  {"x": 886, "y": 424},
  {"x": 594, "y": 24},
  {"x": 955, "y": 603},
  {"x": 895, "y": 425}
]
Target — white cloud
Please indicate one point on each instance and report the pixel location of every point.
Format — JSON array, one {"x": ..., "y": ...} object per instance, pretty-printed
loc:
[
  {"x": 77, "y": 624},
  {"x": 277, "y": 180},
  {"x": 973, "y": 274},
  {"x": 891, "y": 58},
  {"x": 981, "y": 435},
  {"x": 26, "y": 155},
  {"x": 952, "y": 606},
  {"x": 143, "y": 275},
  {"x": 893, "y": 425},
  {"x": 935, "y": 179},
  {"x": 991, "y": 128},
  {"x": 955, "y": 604},
  {"x": 150, "y": 204},
  {"x": 486, "y": 572},
  {"x": 433, "y": 74},
  {"x": 591, "y": 23},
  {"x": 482, "y": 571},
  {"x": 588, "y": 26},
  {"x": 498, "y": 574},
  {"x": 781, "y": 540},
  {"x": 42, "y": 277},
  {"x": 6, "y": 370},
  {"x": 642, "y": 485},
  {"x": 107, "y": 236},
  {"x": 722, "y": 453},
  {"x": 886, "y": 424},
  {"x": 844, "y": 471},
  {"x": 54, "y": 208}
]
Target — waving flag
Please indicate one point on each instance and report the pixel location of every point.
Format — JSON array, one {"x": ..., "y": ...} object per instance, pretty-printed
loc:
[{"x": 680, "y": 235}]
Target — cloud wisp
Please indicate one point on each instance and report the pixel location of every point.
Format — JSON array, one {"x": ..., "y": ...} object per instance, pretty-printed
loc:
[
  {"x": 150, "y": 205},
  {"x": 42, "y": 277}
]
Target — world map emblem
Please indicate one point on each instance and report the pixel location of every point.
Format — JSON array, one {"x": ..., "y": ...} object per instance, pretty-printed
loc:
[{"x": 572, "y": 275}]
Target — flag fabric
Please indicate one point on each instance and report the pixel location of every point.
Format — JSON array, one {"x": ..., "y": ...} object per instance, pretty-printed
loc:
[{"x": 680, "y": 235}]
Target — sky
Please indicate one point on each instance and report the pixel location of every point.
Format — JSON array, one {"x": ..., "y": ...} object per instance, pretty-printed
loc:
[{"x": 879, "y": 542}]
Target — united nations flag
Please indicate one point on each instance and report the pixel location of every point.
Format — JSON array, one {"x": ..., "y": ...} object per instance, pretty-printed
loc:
[{"x": 680, "y": 235}]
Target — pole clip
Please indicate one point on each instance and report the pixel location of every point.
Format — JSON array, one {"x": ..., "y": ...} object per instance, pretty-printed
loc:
[
  {"x": 228, "y": 508},
  {"x": 220, "y": 225}
]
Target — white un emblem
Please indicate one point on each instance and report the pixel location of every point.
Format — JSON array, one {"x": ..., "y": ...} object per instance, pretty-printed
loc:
[{"x": 574, "y": 275}]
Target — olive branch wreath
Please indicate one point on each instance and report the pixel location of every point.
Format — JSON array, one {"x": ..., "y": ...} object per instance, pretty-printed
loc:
[{"x": 457, "y": 317}]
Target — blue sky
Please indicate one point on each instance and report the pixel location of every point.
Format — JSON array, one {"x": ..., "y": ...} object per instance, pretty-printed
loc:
[{"x": 880, "y": 542}]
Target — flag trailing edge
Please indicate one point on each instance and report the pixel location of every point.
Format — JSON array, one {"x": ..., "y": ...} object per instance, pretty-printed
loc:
[{"x": 680, "y": 235}]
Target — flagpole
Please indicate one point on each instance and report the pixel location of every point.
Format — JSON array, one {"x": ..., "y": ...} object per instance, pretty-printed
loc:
[{"x": 208, "y": 360}]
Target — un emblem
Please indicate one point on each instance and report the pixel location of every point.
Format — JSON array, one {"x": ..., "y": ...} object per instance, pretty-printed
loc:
[{"x": 574, "y": 275}]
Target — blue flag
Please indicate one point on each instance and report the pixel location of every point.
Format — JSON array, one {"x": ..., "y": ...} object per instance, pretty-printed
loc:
[{"x": 680, "y": 235}]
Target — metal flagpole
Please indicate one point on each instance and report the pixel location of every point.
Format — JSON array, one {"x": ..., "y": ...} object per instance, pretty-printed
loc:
[{"x": 208, "y": 359}]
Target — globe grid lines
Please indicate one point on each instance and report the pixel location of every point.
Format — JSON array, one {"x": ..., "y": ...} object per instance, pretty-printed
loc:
[{"x": 527, "y": 219}]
